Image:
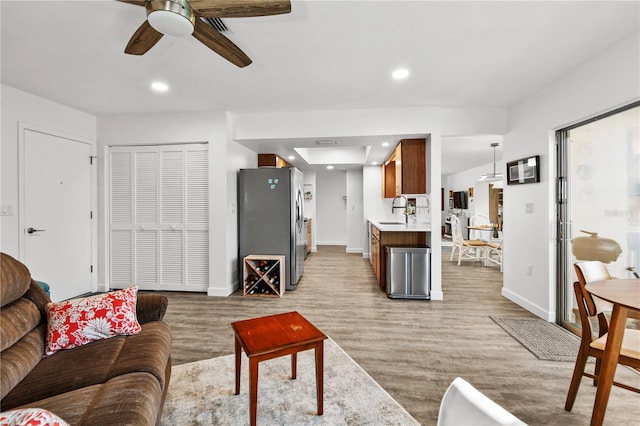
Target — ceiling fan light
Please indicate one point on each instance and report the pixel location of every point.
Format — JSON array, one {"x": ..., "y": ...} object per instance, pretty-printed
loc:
[{"x": 172, "y": 17}]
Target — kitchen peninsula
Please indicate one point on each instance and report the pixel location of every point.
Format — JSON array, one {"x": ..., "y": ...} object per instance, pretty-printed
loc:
[{"x": 389, "y": 233}]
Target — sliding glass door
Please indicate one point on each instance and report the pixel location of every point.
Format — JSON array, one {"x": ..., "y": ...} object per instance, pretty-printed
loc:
[{"x": 598, "y": 200}]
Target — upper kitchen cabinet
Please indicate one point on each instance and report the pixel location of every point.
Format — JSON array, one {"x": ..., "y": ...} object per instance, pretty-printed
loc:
[
  {"x": 272, "y": 160},
  {"x": 405, "y": 171}
]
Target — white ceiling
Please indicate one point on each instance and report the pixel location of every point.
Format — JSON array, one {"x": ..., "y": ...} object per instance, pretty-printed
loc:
[{"x": 323, "y": 55}]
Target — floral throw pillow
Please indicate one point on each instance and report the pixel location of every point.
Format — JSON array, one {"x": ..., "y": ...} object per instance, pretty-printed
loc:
[
  {"x": 31, "y": 417},
  {"x": 76, "y": 322}
]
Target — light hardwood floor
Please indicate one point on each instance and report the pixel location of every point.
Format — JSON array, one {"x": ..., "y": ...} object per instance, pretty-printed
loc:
[{"x": 412, "y": 348}]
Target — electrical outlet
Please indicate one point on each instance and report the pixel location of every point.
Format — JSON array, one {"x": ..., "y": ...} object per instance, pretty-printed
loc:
[{"x": 529, "y": 270}]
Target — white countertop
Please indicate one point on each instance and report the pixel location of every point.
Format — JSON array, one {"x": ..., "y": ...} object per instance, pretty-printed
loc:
[{"x": 391, "y": 226}]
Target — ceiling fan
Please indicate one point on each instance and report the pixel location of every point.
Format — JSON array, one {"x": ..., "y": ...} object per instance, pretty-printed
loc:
[{"x": 183, "y": 17}]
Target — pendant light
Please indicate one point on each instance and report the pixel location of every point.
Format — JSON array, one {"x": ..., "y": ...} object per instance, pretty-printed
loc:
[{"x": 487, "y": 177}]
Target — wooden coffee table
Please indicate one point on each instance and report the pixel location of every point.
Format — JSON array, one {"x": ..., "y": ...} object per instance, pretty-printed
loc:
[{"x": 274, "y": 336}]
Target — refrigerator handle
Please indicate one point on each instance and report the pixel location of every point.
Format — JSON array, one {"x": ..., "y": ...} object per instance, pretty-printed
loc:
[{"x": 299, "y": 211}]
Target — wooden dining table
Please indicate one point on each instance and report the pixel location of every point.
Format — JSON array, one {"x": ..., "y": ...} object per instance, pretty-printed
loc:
[{"x": 624, "y": 294}]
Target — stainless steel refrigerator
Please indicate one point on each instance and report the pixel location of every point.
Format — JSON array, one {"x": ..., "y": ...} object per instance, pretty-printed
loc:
[{"x": 271, "y": 218}]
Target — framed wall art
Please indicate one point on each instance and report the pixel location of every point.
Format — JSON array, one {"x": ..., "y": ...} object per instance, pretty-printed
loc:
[{"x": 524, "y": 170}]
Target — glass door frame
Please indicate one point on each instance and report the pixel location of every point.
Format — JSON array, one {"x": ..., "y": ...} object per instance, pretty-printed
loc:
[{"x": 564, "y": 228}]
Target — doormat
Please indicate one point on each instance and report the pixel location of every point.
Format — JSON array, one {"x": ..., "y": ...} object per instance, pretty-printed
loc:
[{"x": 547, "y": 341}]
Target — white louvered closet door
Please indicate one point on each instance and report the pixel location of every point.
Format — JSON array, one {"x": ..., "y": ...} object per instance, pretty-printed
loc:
[{"x": 159, "y": 217}]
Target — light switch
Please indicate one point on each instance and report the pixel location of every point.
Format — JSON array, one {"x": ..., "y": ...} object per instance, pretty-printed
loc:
[
  {"x": 6, "y": 210},
  {"x": 528, "y": 208}
]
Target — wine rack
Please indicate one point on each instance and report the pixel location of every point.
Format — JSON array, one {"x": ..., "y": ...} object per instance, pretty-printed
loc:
[{"x": 264, "y": 276}]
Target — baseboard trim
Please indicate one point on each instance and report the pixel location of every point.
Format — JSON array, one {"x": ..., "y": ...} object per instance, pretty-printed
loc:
[
  {"x": 437, "y": 295},
  {"x": 531, "y": 307},
  {"x": 222, "y": 291}
]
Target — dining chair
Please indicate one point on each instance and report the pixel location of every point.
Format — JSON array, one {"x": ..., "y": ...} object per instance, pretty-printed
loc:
[
  {"x": 477, "y": 220},
  {"x": 467, "y": 249},
  {"x": 462, "y": 404},
  {"x": 592, "y": 344},
  {"x": 493, "y": 254}
]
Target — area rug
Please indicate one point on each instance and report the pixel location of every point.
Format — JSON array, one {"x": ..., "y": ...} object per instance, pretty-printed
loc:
[
  {"x": 201, "y": 393},
  {"x": 547, "y": 341}
]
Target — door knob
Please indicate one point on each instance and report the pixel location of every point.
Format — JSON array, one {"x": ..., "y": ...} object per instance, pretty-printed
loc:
[{"x": 32, "y": 230}]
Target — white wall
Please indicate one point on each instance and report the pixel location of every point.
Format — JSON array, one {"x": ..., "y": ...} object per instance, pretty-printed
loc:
[
  {"x": 225, "y": 158},
  {"x": 356, "y": 223},
  {"x": 238, "y": 157},
  {"x": 606, "y": 81},
  {"x": 480, "y": 201},
  {"x": 469, "y": 179},
  {"x": 21, "y": 107},
  {"x": 331, "y": 211},
  {"x": 374, "y": 206},
  {"x": 310, "y": 205}
]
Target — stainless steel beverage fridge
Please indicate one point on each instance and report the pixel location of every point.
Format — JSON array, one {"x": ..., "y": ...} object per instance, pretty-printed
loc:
[{"x": 271, "y": 217}]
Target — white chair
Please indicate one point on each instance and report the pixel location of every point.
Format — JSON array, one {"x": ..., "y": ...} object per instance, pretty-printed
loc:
[
  {"x": 467, "y": 249},
  {"x": 477, "y": 220},
  {"x": 493, "y": 254},
  {"x": 464, "y": 405}
]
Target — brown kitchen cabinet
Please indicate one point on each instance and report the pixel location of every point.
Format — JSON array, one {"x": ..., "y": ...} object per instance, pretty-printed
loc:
[
  {"x": 405, "y": 171},
  {"x": 375, "y": 252},
  {"x": 309, "y": 234},
  {"x": 272, "y": 160},
  {"x": 379, "y": 242}
]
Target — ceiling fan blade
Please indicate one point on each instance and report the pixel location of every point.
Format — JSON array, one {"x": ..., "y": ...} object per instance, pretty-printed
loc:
[
  {"x": 240, "y": 8},
  {"x": 143, "y": 39},
  {"x": 220, "y": 44},
  {"x": 136, "y": 2}
]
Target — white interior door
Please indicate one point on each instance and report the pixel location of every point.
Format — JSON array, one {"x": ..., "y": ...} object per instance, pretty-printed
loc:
[
  {"x": 159, "y": 217},
  {"x": 57, "y": 212}
]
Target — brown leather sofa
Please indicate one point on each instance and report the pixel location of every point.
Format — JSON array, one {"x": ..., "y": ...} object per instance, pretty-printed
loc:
[{"x": 121, "y": 380}]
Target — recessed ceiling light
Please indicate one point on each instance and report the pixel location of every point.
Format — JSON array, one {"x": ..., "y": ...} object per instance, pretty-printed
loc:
[
  {"x": 329, "y": 167},
  {"x": 159, "y": 86},
  {"x": 292, "y": 157},
  {"x": 400, "y": 73},
  {"x": 374, "y": 163},
  {"x": 385, "y": 144}
]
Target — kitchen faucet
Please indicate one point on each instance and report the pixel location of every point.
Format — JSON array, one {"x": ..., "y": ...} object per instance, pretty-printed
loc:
[{"x": 394, "y": 207}]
